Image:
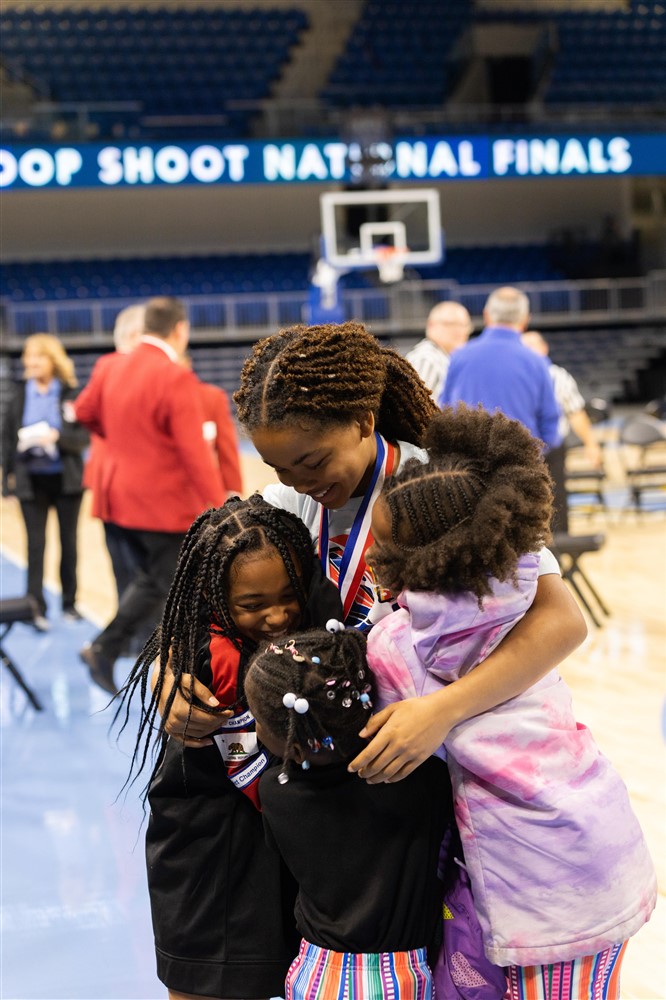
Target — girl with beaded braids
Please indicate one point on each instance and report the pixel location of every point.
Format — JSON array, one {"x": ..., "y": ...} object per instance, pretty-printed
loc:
[
  {"x": 334, "y": 413},
  {"x": 220, "y": 898},
  {"x": 365, "y": 857},
  {"x": 559, "y": 869}
]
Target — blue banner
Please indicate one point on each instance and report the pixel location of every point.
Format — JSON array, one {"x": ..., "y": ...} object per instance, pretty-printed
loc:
[{"x": 436, "y": 158}]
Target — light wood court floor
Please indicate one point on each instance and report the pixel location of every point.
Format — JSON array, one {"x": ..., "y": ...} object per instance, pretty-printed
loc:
[{"x": 618, "y": 676}]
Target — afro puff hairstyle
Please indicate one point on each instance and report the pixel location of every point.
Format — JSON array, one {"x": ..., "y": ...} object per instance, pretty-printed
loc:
[{"x": 482, "y": 500}]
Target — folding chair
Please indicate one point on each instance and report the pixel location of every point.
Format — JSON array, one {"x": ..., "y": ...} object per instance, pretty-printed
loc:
[
  {"x": 580, "y": 478},
  {"x": 568, "y": 549},
  {"x": 12, "y": 610},
  {"x": 648, "y": 472}
]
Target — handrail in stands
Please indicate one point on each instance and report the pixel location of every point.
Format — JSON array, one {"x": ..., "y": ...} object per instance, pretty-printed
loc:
[{"x": 390, "y": 309}]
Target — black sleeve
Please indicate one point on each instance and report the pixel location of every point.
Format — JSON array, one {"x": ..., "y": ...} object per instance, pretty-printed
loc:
[
  {"x": 74, "y": 438},
  {"x": 323, "y": 599},
  {"x": 264, "y": 798}
]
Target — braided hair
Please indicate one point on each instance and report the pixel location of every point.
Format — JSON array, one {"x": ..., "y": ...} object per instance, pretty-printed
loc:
[
  {"x": 482, "y": 500},
  {"x": 331, "y": 373},
  {"x": 198, "y": 603},
  {"x": 315, "y": 690}
]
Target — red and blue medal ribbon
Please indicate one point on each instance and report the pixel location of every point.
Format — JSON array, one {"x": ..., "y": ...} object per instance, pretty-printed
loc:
[{"x": 352, "y": 565}]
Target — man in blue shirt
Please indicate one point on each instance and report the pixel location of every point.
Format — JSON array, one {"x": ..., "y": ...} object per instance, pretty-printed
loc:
[{"x": 499, "y": 372}]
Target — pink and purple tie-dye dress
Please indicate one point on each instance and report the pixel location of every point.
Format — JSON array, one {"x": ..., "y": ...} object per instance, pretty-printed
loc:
[{"x": 557, "y": 859}]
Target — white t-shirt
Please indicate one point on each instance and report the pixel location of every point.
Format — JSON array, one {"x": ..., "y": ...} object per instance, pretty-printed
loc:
[{"x": 373, "y": 601}]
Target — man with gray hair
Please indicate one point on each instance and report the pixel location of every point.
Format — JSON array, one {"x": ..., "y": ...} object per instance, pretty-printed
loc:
[
  {"x": 127, "y": 332},
  {"x": 499, "y": 372},
  {"x": 447, "y": 328},
  {"x": 128, "y": 328}
]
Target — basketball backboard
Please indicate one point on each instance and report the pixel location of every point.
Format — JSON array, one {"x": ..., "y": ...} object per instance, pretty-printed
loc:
[{"x": 356, "y": 223}]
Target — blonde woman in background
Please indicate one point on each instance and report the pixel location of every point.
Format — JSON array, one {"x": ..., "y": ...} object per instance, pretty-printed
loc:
[{"x": 42, "y": 463}]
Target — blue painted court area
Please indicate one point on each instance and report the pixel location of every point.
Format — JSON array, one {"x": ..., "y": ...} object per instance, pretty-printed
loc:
[{"x": 75, "y": 912}]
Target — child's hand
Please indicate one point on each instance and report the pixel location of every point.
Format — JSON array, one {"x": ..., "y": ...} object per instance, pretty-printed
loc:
[
  {"x": 189, "y": 725},
  {"x": 405, "y": 734}
]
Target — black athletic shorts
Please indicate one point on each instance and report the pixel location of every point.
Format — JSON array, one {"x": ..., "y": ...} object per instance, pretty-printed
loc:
[{"x": 221, "y": 899}]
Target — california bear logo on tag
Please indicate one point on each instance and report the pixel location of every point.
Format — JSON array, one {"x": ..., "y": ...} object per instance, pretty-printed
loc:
[{"x": 236, "y": 747}]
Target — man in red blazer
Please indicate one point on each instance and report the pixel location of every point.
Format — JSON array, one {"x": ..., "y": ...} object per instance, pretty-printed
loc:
[{"x": 159, "y": 472}]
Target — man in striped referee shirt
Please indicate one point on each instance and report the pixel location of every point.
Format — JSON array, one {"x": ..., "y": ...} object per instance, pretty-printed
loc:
[
  {"x": 574, "y": 417},
  {"x": 447, "y": 328}
]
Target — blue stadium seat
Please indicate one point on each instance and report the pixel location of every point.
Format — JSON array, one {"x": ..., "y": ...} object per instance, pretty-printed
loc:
[
  {"x": 394, "y": 59},
  {"x": 101, "y": 53}
]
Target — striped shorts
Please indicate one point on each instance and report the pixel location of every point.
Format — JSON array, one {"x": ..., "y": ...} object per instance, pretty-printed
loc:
[
  {"x": 319, "y": 974},
  {"x": 594, "y": 977}
]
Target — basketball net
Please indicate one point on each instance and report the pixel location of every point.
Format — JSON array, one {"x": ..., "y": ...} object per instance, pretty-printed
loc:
[{"x": 390, "y": 262}]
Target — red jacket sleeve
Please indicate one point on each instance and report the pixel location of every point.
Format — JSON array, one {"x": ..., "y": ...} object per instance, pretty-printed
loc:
[
  {"x": 186, "y": 420},
  {"x": 226, "y": 441},
  {"x": 88, "y": 403}
]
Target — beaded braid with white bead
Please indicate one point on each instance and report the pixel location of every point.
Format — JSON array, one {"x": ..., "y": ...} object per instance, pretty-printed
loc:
[{"x": 315, "y": 691}]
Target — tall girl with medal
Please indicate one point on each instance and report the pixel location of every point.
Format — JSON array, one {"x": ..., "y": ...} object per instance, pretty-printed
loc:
[{"x": 316, "y": 400}]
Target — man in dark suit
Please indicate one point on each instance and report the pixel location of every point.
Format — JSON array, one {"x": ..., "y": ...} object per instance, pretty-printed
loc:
[{"x": 159, "y": 471}]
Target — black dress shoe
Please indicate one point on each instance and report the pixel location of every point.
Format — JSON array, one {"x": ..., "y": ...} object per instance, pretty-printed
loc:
[
  {"x": 72, "y": 615},
  {"x": 99, "y": 667}
]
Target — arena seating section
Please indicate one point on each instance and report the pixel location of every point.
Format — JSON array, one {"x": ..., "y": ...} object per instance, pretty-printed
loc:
[
  {"x": 602, "y": 57},
  {"x": 202, "y": 61},
  {"x": 397, "y": 54},
  {"x": 173, "y": 62},
  {"x": 235, "y": 274},
  {"x": 86, "y": 293},
  {"x": 206, "y": 60}
]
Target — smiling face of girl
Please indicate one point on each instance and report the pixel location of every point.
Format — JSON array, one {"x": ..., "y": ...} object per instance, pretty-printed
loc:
[
  {"x": 262, "y": 600},
  {"x": 329, "y": 464}
]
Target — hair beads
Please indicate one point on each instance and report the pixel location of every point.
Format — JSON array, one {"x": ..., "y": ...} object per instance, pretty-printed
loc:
[
  {"x": 299, "y": 705},
  {"x": 315, "y": 699}
]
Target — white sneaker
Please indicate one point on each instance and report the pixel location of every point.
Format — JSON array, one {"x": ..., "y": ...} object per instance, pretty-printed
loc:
[{"x": 41, "y": 623}]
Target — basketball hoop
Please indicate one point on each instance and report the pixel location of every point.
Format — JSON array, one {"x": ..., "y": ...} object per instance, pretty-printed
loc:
[{"x": 390, "y": 262}]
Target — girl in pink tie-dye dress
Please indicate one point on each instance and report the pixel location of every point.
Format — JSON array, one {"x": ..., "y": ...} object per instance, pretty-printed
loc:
[{"x": 560, "y": 872}]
